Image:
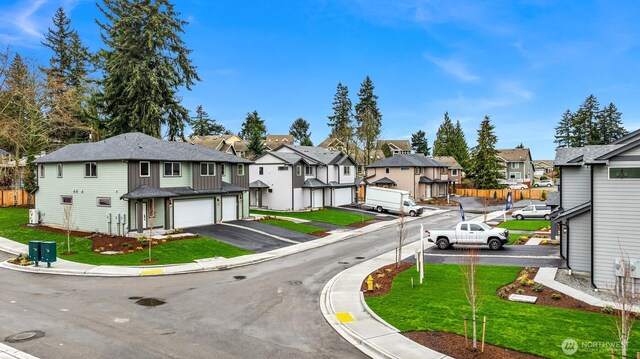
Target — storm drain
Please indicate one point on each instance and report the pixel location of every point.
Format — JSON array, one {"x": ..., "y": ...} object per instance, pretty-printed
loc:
[
  {"x": 24, "y": 336},
  {"x": 149, "y": 302},
  {"x": 359, "y": 257},
  {"x": 239, "y": 277}
]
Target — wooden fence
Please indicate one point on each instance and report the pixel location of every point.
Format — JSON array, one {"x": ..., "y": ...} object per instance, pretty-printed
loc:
[
  {"x": 12, "y": 198},
  {"x": 517, "y": 194}
]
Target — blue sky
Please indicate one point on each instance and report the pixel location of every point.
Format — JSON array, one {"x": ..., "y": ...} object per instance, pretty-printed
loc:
[{"x": 521, "y": 62}]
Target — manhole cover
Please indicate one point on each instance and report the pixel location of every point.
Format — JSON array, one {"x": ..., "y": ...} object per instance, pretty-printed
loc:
[
  {"x": 135, "y": 298},
  {"x": 24, "y": 336},
  {"x": 239, "y": 277},
  {"x": 359, "y": 257},
  {"x": 149, "y": 302},
  {"x": 343, "y": 262}
]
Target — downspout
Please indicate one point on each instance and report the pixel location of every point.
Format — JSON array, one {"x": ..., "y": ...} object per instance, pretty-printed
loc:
[
  {"x": 593, "y": 284},
  {"x": 292, "y": 189},
  {"x": 560, "y": 206},
  {"x": 568, "y": 242}
]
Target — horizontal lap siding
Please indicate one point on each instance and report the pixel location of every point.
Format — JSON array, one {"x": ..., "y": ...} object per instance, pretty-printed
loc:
[
  {"x": 580, "y": 243},
  {"x": 575, "y": 186},
  {"x": 616, "y": 226}
]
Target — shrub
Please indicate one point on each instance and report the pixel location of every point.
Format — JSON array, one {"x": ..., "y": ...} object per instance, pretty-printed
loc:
[
  {"x": 607, "y": 309},
  {"x": 502, "y": 293},
  {"x": 538, "y": 287},
  {"x": 556, "y": 296},
  {"x": 543, "y": 177},
  {"x": 543, "y": 196},
  {"x": 529, "y": 269},
  {"x": 530, "y": 282},
  {"x": 519, "y": 291},
  {"x": 523, "y": 280}
]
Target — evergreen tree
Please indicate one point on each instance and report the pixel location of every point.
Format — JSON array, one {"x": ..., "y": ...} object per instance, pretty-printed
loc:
[
  {"x": 203, "y": 125},
  {"x": 145, "y": 64},
  {"x": 460, "y": 149},
  {"x": 419, "y": 143},
  {"x": 300, "y": 131},
  {"x": 341, "y": 122},
  {"x": 386, "y": 150},
  {"x": 485, "y": 166},
  {"x": 521, "y": 145},
  {"x": 610, "y": 125},
  {"x": 442, "y": 145},
  {"x": 585, "y": 125},
  {"x": 253, "y": 130},
  {"x": 564, "y": 130},
  {"x": 368, "y": 119},
  {"x": 306, "y": 142}
]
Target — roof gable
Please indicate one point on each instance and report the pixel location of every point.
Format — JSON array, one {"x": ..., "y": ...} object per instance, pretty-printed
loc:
[
  {"x": 407, "y": 160},
  {"x": 515, "y": 154}
]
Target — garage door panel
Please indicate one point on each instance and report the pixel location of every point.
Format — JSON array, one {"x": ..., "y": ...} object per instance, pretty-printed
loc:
[
  {"x": 229, "y": 208},
  {"x": 193, "y": 212},
  {"x": 342, "y": 196}
]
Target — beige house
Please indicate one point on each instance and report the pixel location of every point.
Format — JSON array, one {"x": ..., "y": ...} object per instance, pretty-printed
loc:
[
  {"x": 271, "y": 142},
  {"x": 230, "y": 144},
  {"x": 454, "y": 171},
  {"x": 424, "y": 177}
]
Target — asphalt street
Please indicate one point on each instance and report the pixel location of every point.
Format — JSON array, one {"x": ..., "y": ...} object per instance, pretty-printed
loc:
[
  {"x": 266, "y": 310},
  {"x": 508, "y": 255}
]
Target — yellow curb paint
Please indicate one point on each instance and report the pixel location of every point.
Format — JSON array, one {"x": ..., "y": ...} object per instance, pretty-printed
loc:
[
  {"x": 345, "y": 317},
  {"x": 151, "y": 271}
]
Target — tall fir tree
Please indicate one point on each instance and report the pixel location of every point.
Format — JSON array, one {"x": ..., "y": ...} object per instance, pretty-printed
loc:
[
  {"x": 146, "y": 62},
  {"x": 460, "y": 149},
  {"x": 300, "y": 131},
  {"x": 254, "y": 131},
  {"x": 386, "y": 150},
  {"x": 610, "y": 124},
  {"x": 564, "y": 130},
  {"x": 485, "y": 165},
  {"x": 442, "y": 143},
  {"x": 420, "y": 144},
  {"x": 586, "y": 119},
  {"x": 341, "y": 122},
  {"x": 203, "y": 125},
  {"x": 368, "y": 119}
]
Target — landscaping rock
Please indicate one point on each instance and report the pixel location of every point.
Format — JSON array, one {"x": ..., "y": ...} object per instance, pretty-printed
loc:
[{"x": 522, "y": 298}]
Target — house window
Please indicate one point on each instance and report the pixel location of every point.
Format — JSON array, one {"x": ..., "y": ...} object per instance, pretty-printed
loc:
[
  {"x": 41, "y": 171},
  {"x": 403, "y": 169},
  {"x": 347, "y": 170},
  {"x": 260, "y": 170},
  {"x": 59, "y": 170},
  {"x": 223, "y": 169},
  {"x": 145, "y": 169},
  {"x": 515, "y": 175},
  {"x": 172, "y": 169},
  {"x": 104, "y": 201},
  {"x": 454, "y": 172},
  {"x": 515, "y": 165},
  {"x": 207, "y": 169},
  {"x": 299, "y": 170},
  {"x": 624, "y": 172},
  {"x": 308, "y": 170},
  {"x": 283, "y": 168},
  {"x": 240, "y": 169},
  {"x": 386, "y": 170},
  {"x": 66, "y": 199},
  {"x": 91, "y": 169},
  {"x": 360, "y": 168}
]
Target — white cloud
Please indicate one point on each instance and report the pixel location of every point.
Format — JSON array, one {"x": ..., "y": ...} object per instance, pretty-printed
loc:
[{"x": 454, "y": 67}]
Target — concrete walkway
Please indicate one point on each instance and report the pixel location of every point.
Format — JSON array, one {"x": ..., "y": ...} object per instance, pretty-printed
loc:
[
  {"x": 7, "y": 352},
  {"x": 65, "y": 267}
]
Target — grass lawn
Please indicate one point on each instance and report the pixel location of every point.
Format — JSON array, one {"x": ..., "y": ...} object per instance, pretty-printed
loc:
[
  {"x": 331, "y": 216},
  {"x": 298, "y": 227},
  {"x": 525, "y": 224},
  {"x": 182, "y": 251},
  {"x": 514, "y": 237},
  {"x": 440, "y": 304}
]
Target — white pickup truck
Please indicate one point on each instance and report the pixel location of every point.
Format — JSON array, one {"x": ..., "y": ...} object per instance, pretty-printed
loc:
[{"x": 469, "y": 233}]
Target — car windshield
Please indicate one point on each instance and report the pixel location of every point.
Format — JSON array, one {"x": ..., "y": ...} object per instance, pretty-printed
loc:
[{"x": 410, "y": 202}]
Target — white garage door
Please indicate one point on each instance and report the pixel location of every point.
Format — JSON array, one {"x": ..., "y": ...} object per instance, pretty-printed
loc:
[
  {"x": 193, "y": 212},
  {"x": 317, "y": 198},
  {"x": 229, "y": 208},
  {"x": 342, "y": 196}
]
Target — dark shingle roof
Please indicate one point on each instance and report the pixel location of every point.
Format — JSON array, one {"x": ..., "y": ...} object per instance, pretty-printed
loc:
[
  {"x": 258, "y": 184},
  {"x": 145, "y": 191},
  {"x": 384, "y": 180},
  {"x": 553, "y": 199},
  {"x": 313, "y": 183},
  {"x": 137, "y": 146},
  {"x": 574, "y": 156},
  {"x": 575, "y": 211},
  {"x": 425, "y": 179},
  {"x": 407, "y": 160}
]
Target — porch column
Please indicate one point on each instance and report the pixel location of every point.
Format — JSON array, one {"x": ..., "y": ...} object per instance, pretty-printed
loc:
[{"x": 139, "y": 216}]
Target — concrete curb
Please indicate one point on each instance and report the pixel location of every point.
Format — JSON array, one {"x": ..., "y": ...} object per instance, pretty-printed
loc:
[
  {"x": 202, "y": 265},
  {"x": 7, "y": 352}
]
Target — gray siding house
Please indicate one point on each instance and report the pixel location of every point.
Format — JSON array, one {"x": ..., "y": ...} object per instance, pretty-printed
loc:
[
  {"x": 130, "y": 182},
  {"x": 599, "y": 206},
  {"x": 518, "y": 166}
]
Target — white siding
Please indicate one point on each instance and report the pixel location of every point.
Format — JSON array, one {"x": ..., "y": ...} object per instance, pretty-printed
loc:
[
  {"x": 298, "y": 199},
  {"x": 333, "y": 174},
  {"x": 616, "y": 207},
  {"x": 350, "y": 178},
  {"x": 580, "y": 243},
  {"x": 575, "y": 186},
  {"x": 278, "y": 196},
  {"x": 321, "y": 173}
]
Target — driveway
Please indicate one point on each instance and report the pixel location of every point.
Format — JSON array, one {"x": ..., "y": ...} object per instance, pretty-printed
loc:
[
  {"x": 243, "y": 238},
  {"x": 275, "y": 230},
  {"x": 509, "y": 255}
]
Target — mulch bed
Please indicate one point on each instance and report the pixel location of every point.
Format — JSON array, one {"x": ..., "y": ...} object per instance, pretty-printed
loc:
[
  {"x": 544, "y": 296},
  {"x": 104, "y": 242},
  {"x": 455, "y": 346},
  {"x": 364, "y": 224},
  {"x": 440, "y": 202},
  {"x": 383, "y": 278}
]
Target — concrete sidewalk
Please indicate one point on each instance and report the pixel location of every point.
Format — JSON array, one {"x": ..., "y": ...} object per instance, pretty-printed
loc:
[
  {"x": 65, "y": 267},
  {"x": 7, "y": 352}
]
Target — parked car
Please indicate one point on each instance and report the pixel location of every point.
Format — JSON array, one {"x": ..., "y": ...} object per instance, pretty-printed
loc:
[
  {"x": 518, "y": 186},
  {"x": 469, "y": 233},
  {"x": 391, "y": 200},
  {"x": 543, "y": 183},
  {"x": 533, "y": 211}
]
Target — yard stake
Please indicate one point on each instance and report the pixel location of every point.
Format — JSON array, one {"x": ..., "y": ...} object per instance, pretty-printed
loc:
[
  {"x": 613, "y": 355},
  {"x": 466, "y": 340},
  {"x": 484, "y": 327}
]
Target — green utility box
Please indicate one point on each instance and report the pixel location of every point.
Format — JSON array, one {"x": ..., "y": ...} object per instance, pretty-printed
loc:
[
  {"x": 48, "y": 252},
  {"x": 34, "y": 251}
]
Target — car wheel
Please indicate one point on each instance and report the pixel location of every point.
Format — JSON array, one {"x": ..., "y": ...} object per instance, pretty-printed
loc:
[
  {"x": 547, "y": 217},
  {"x": 412, "y": 213},
  {"x": 495, "y": 244},
  {"x": 519, "y": 217},
  {"x": 442, "y": 243},
  {"x": 379, "y": 209},
  {"x": 536, "y": 185},
  {"x": 549, "y": 185}
]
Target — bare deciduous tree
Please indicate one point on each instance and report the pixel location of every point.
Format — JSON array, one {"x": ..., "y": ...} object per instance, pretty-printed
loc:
[
  {"x": 469, "y": 261},
  {"x": 625, "y": 299},
  {"x": 401, "y": 230},
  {"x": 67, "y": 224}
]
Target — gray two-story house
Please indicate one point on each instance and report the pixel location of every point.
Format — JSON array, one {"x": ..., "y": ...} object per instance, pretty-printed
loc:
[
  {"x": 130, "y": 182},
  {"x": 518, "y": 166},
  {"x": 599, "y": 205}
]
